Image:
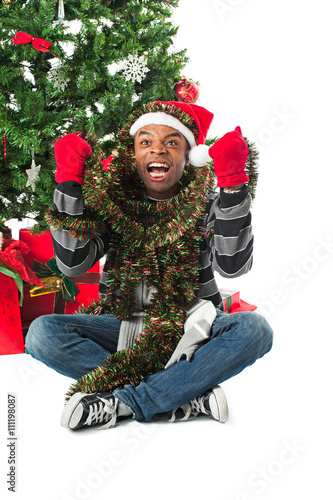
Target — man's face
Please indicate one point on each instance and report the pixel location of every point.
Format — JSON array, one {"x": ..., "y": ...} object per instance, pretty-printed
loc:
[{"x": 161, "y": 153}]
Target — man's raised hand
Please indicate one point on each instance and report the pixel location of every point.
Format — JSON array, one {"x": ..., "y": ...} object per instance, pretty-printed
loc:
[
  {"x": 71, "y": 152},
  {"x": 229, "y": 154}
]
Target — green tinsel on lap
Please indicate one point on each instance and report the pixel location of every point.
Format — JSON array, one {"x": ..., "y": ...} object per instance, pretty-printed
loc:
[{"x": 149, "y": 354}]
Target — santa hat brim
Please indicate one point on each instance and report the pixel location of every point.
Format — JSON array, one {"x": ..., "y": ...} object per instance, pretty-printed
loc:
[
  {"x": 160, "y": 118},
  {"x": 198, "y": 155}
]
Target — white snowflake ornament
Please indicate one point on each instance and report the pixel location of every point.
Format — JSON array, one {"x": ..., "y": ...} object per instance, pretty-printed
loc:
[
  {"x": 56, "y": 75},
  {"x": 135, "y": 68},
  {"x": 33, "y": 174}
]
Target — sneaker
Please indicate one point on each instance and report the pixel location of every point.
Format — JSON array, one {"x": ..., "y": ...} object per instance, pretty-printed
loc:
[
  {"x": 90, "y": 409},
  {"x": 212, "y": 403}
]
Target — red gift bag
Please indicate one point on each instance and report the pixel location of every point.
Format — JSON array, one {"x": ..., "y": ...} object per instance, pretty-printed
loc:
[
  {"x": 11, "y": 335},
  {"x": 14, "y": 271}
]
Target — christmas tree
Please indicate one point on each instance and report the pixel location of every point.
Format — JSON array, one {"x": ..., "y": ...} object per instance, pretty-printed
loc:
[{"x": 74, "y": 65}]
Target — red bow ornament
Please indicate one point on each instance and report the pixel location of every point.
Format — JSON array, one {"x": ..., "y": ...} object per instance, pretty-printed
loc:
[
  {"x": 37, "y": 43},
  {"x": 106, "y": 163}
]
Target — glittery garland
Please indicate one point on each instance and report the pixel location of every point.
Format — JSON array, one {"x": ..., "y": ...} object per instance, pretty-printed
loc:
[
  {"x": 172, "y": 269},
  {"x": 148, "y": 355},
  {"x": 77, "y": 228},
  {"x": 157, "y": 242},
  {"x": 251, "y": 167}
]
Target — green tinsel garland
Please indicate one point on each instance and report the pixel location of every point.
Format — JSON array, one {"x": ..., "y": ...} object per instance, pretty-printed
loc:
[
  {"x": 167, "y": 256},
  {"x": 252, "y": 167},
  {"x": 157, "y": 242}
]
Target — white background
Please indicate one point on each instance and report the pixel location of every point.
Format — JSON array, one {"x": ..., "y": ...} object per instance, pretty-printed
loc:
[{"x": 265, "y": 66}]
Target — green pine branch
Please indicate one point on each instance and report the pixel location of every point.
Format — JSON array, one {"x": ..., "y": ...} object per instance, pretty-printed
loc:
[{"x": 46, "y": 95}]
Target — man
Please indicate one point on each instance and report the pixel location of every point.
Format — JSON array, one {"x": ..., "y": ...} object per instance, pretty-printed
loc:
[{"x": 163, "y": 343}]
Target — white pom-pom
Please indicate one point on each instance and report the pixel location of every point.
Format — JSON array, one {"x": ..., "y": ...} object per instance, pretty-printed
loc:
[{"x": 199, "y": 156}]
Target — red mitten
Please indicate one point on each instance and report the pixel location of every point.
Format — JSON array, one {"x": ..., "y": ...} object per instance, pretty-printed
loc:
[
  {"x": 71, "y": 152},
  {"x": 229, "y": 154}
]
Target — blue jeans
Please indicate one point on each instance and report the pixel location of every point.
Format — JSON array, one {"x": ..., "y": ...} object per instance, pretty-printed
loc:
[{"x": 75, "y": 344}]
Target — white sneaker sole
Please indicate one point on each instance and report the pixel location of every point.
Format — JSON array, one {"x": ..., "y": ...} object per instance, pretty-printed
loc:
[
  {"x": 72, "y": 411},
  {"x": 218, "y": 405}
]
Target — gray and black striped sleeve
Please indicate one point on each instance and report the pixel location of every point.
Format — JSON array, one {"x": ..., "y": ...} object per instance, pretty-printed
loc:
[
  {"x": 75, "y": 257},
  {"x": 231, "y": 248}
]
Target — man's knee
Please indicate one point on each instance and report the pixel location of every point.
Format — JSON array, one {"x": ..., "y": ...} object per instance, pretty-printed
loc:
[
  {"x": 38, "y": 333},
  {"x": 259, "y": 330}
]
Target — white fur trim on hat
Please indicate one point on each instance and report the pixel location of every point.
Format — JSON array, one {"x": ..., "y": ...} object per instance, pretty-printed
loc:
[
  {"x": 160, "y": 118},
  {"x": 199, "y": 156}
]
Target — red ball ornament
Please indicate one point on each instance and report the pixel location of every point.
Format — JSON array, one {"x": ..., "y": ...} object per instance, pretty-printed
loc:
[{"x": 187, "y": 91}]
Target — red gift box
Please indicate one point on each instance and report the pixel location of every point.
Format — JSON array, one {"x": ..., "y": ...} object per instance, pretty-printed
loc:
[
  {"x": 233, "y": 303},
  {"x": 230, "y": 299},
  {"x": 41, "y": 250},
  {"x": 11, "y": 335},
  {"x": 41, "y": 247}
]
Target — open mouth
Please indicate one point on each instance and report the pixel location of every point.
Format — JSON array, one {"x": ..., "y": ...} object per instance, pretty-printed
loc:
[{"x": 158, "y": 171}]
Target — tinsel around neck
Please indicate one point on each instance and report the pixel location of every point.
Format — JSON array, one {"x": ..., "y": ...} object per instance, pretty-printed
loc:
[
  {"x": 157, "y": 242},
  {"x": 118, "y": 193}
]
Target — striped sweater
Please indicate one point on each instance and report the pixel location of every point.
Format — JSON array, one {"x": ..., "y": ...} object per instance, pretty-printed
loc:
[{"x": 228, "y": 251}]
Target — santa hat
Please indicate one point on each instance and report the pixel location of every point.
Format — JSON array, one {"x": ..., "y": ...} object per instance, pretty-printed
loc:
[{"x": 194, "y": 129}]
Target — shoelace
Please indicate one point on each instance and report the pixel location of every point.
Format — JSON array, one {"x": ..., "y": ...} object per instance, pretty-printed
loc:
[
  {"x": 100, "y": 412},
  {"x": 193, "y": 408}
]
